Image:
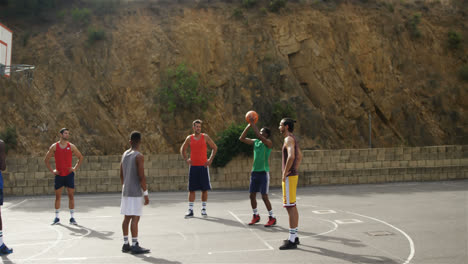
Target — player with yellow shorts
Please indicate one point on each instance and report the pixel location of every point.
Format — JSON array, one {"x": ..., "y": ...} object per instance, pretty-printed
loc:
[
  {"x": 292, "y": 156},
  {"x": 289, "y": 190}
]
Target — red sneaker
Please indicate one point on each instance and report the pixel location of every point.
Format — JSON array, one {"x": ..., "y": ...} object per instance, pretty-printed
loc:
[
  {"x": 271, "y": 222},
  {"x": 255, "y": 219}
]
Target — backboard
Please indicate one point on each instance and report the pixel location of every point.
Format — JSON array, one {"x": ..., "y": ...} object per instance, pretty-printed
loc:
[{"x": 6, "y": 42}]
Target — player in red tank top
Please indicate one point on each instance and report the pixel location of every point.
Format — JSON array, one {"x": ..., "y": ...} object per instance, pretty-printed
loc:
[
  {"x": 64, "y": 172},
  {"x": 199, "y": 176}
]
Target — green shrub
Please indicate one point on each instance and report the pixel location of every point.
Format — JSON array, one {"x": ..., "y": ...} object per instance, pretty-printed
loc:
[
  {"x": 229, "y": 145},
  {"x": 276, "y": 5},
  {"x": 95, "y": 34},
  {"x": 181, "y": 89},
  {"x": 237, "y": 13},
  {"x": 413, "y": 26},
  {"x": 390, "y": 7},
  {"x": 10, "y": 138},
  {"x": 249, "y": 3},
  {"x": 280, "y": 111},
  {"x": 81, "y": 15},
  {"x": 263, "y": 11},
  {"x": 454, "y": 39},
  {"x": 61, "y": 14},
  {"x": 463, "y": 73}
]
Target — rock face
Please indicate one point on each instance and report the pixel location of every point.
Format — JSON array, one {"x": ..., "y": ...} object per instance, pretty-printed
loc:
[{"x": 333, "y": 64}]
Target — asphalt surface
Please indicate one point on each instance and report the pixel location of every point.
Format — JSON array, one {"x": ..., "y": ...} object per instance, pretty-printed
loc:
[{"x": 424, "y": 223}]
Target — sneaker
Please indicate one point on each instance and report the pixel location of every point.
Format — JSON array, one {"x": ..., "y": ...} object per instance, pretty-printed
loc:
[
  {"x": 288, "y": 245},
  {"x": 4, "y": 250},
  {"x": 56, "y": 221},
  {"x": 296, "y": 241},
  {"x": 203, "y": 213},
  {"x": 73, "y": 222},
  {"x": 271, "y": 221},
  {"x": 136, "y": 249},
  {"x": 189, "y": 213},
  {"x": 255, "y": 219},
  {"x": 126, "y": 248}
]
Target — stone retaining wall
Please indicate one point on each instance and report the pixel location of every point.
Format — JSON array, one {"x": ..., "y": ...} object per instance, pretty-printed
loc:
[{"x": 168, "y": 172}]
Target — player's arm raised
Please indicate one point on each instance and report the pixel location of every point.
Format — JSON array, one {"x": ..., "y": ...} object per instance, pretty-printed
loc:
[
  {"x": 183, "y": 150},
  {"x": 265, "y": 140},
  {"x": 244, "y": 138},
  {"x": 214, "y": 149}
]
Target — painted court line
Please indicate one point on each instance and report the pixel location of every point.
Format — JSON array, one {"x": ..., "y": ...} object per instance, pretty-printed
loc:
[
  {"x": 269, "y": 247},
  {"x": 411, "y": 243},
  {"x": 335, "y": 227},
  {"x": 16, "y": 204},
  {"x": 55, "y": 243},
  {"x": 251, "y": 230},
  {"x": 72, "y": 259}
]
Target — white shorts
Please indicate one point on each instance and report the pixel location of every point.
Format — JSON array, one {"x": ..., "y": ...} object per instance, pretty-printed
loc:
[{"x": 131, "y": 205}]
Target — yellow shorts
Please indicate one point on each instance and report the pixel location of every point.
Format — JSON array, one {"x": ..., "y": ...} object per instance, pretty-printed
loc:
[{"x": 289, "y": 191}]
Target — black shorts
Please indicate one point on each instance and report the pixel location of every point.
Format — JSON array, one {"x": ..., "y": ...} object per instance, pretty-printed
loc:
[
  {"x": 1, "y": 196},
  {"x": 199, "y": 178},
  {"x": 67, "y": 181}
]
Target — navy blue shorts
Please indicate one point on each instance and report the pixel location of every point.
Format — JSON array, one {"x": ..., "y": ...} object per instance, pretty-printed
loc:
[
  {"x": 259, "y": 182},
  {"x": 199, "y": 178},
  {"x": 1, "y": 196},
  {"x": 67, "y": 181}
]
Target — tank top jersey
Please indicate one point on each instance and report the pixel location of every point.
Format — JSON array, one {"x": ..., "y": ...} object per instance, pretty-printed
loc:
[
  {"x": 293, "y": 170},
  {"x": 131, "y": 186},
  {"x": 63, "y": 159},
  {"x": 261, "y": 155},
  {"x": 198, "y": 150}
]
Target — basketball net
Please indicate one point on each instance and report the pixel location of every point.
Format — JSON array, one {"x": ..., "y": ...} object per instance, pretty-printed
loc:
[{"x": 19, "y": 72}]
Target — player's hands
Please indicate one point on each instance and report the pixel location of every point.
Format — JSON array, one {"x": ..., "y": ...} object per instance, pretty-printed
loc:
[
  {"x": 146, "y": 199},
  {"x": 208, "y": 163},
  {"x": 284, "y": 176},
  {"x": 189, "y": 161},
  {"x": 251, "y": 120},
  {"x": 72, "y": 169},
  {"x": 56, "y": 172}
]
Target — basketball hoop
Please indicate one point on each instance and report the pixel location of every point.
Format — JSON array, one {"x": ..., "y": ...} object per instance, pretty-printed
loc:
[{"x": 20, "y": 72}]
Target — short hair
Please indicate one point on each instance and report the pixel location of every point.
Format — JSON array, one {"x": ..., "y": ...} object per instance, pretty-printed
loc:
[
  {"x": 267, "y": 130},
  {"x": 135, "y": 136},
  {"x": 63, "y": 130},
  {"x": 197, "y": 121},
  {"x": 289, "y": 122}
]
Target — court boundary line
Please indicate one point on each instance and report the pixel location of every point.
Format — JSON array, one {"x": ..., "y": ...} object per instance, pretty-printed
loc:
[{"x": 412, "y": 248}]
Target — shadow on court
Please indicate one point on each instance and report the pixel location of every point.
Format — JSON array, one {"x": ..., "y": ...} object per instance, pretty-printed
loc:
[
  {"x": 82, "y": 231},
  {"x": 219, "y": 220},
  {"x": 5, "y": 259},
  {"x": 151, "y": 259},
  {"x": 353, "y": 258}
]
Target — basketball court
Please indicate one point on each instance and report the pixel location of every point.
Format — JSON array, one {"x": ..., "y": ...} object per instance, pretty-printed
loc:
[{"x": 389, "y": 223}]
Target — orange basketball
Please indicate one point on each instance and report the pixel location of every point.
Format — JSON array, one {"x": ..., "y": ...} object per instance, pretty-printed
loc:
[{"x": 251, "y": 114}]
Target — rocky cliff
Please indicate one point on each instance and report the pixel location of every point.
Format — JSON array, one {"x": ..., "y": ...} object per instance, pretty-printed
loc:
[{"x": 334, "y": 63}]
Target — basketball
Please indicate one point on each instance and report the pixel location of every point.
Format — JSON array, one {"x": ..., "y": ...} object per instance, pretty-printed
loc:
[{"x": 251, "y": 114}]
